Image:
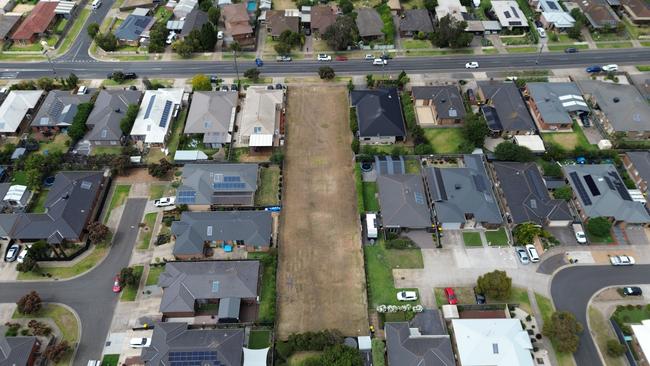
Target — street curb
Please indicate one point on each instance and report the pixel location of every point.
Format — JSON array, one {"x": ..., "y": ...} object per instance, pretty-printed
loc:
[
  {"x": 79, "y": 327},
  {"x": 593, "y": 338}
]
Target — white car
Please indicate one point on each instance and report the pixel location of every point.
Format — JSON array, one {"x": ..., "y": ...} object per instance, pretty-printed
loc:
[
  {"x": 532, "y": 253},
  {"x": 96, "y": 4},
  {"x": 12, "y": 252},
  {"x": 22, "y": 255},
  {"x": 581, "y": 238},
  {"x": 164, "y": 201},
  {"x": 140, "y": 342},
  {"x": 610, "y": 68},
  {"x": 407, "y": 296},
  {"x": 82, "y": 90},
  {"x": 369, "y": 57},
  {"x": 324, "y": 57},
  {"x": 471, "y": 65},
  {"x": 523, "y": 255},
  {"x": 379, "y": 61},
  {"x": 171, "y": 37},
  {"x": 621, "y": 260},
  {"x": 541, "y": 32},
  {"x": 220, "y": 35}
]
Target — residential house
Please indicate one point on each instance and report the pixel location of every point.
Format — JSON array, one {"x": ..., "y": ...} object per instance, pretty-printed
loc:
[
  {"x": 637, "y": 164},
  {"x": 198, "y": 232},
  {"x": 263, "y": 111},
  {"x": 496, "y": 342},
  {"x": 552, "y": 14},
  {"x": 237, "y": 21},
  {"x": 509, "y": 14},
  {"x": 70, "y": 205},
  {"x": 159, "y": 107},
  {"x": 369, "y": 24},
  {"x": 637, "y": 10},
  {"x": 415, "y": 21},
  {"x": 212, "y": 115},
  {"x": 14, "y": 196},
  {"x": 185, "y": 7},
  {"x": 37, "y": 23},
  {"x": 599, "y": 13},
  {"x": 128, "y": 5},
  {"x": 505, "y": 110},
  {"x": 462, "y": 196},
  {"x": 438, "y": 105},
  {"x": 231, "y": 285},
  {"x": 641, "y": 338},
  {"x": 395, "y": 6},
  {"x": 134, "y": 28},
  {"x": 17, "y": 110},
  {"x": 554, "y": 106},
  {"x": 403, "y": 202},
  {"x": 619, "y": 108},
  {"x": 451, "y": 7},
  {"x": 66, "y": 9},
  {"x": 279, "y": 21},
  {"x": 18, "y": 351},
  {"x": 322, "y": 16},
  {"x": 379, "y": 115},
  {"x": 8, "y": 24},
  {"x": 526, "y": 198},
  {"x": 423, "y": 341},
  {"x": 104, "y": 121},
  {"x": 7, "y": 6},
  {"x": 194, "y": 20},
  {"x": 205, "y": 185},
  {"x": 58, "y": 110},
  {"x": 599, "y": 191},
  {"x": 175, "y": 343}
]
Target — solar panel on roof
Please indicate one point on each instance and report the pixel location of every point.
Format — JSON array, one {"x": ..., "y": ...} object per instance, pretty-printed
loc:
[
  {"x": 165, "y": 113},
  {"x": 185, "y": 197},
  {"x": 592, "y": 185},
  {"x": 514, "y": 11},
  {"x": 231, "y": 178},
  {"x": 551, "y": 5},
  {"x": 228, "y": 185},
  {"x": 580, "y": 188},
  {"x": 419, "y": 198},
  {"x": 149, "y": 106},
  {"x": 478, "y": 182}
]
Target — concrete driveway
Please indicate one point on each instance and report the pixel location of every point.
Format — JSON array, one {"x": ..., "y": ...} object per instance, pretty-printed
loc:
[
  {"x": 565, "y": 235},
  {"x": 636, "y": 235}
]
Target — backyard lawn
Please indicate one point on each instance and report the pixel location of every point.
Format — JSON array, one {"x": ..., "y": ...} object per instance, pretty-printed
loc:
[
  {"x": 177, "y": 131},
  {"x": 267, "y": 190},
  {"x": 444, "y": 140},
  {"x": 57, "y": 144},
  {"x": 496, "y": 237},
  {"x": 147, "y": 230},
  {"x": 412, "y": 166},
  {"x": 569, "y": 140},
  {"x": 131, "y": 291},
  {"x": 269, "y": 262},
  {"x": 369, "y": 196},
  {"x": 259, "y": 339},
  {"x": 156, "y": 191},
  {"x": 38, "y": 205},
  {"x": 112, "y": 150},
  {"x": 19, "y": 177},
  {"x": 119, "y": 197},
  {"x": 472, "y": 239},
  {"x": 87, "y": 263},
  {"x": 154, "y": 274}
]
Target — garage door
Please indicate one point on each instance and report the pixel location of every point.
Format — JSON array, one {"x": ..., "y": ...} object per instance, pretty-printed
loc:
[
  {"x": 451, "y": 226},
  {"x": 558, "y": 223}
]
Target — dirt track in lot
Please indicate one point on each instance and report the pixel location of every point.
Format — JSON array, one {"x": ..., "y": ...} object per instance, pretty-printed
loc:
[{"x": 321, "y": 279}]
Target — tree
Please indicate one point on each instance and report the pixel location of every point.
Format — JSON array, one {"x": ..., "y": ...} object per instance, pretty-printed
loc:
[
  {"x": 183, "y": 48},
  {"x": 214, "y": 14},
  {"x": 45, "y": 83},
  {"x": 92, "y": 29},
  {"x": 563, "y": 330},
  {"x": 423, "y": 149},
  {"x": 615, "y": 348},
  {"x": 29, "y": 264},
  {"x": 55, "y": 352},
  {"x": 475, "y": 130},
  {"x": 39, "y": 250},
  {"x": 525, "y": 233},
  {"x": 342, "y": 33},
  {"x": 282, "y": 49},
  {"x": 160, "y": 169},
  {"x": 337, "y": 355},
  {"x": 252, "y": 74},
  {"x": 39, "y": 328},
  {"x": 346, "y": 6},
  {"x": 599, "y": 226},
  {"x": 509, "y": 151},
  {"x": 575, "y": 32},
  {"x": 128, "y": 277},
  {"x": 157, "y": 37},
  {"x": 126, "y": 123},
  {"x": 277, "y": 157},
  {"x": 235, "y": 47},
  {"x": 201, "y": 82},
  {"x": 29, "y": 303},
  {"x": 430, "y": 5},
  {"x": 563, "y": 193},
  {"x": 205, "y": 5},
  {"x": 72, "y": 81},
  {"x": 450, "y": 32},
  {"x": 33, "y": 178},
  {"x": 106, "y": 41},
  {"x": 326, "y": 72},
  {"x": 495, "y": 284},
  {"x": 77, "y": 129},
  {"x": 97, "y": 232},
  {"x": 118, "y": 77}
]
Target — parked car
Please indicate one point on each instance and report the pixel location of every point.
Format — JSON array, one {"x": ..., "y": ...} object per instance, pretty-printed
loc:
[
  {"x": 220, "y": 35},
  {"x": 278, "y": 86},
  {"x": 324, "y": 57},
  {"x": 581, "y": 238},
  {"x": 140, "y": 342},
  {"x": 214, "y": 79},
  {"x": 164, "y": 201},
  {"x": 385, "y": 56},
  {"x": 12, "y": 252},
  {"x": 610, "y": 68},
  {"x": 127, "y": 75},
  {"x": 539, "y": 24},
  {"x": 584, "y": 118},
  {"x": 480, "y": 298},
  {"x": 541, "y": 32},
  {"x": 22, "y": 255},
  {"x": 82, "y": 90},
  {"x": 116, "y": 284},
  {"x": 234, "y": 87},
  {"x": 451, "y": 296},
  {"x": 621, "y": 260},
  {"x": 171, "y": 37},
  {"x": 407, "y": 296},
  {"x": 632, "y": 291},
  {"x": 532, "y": 253},
  {"x": 224, "y": 88},
  {"x": 471, "y": 65},
  {"x": 341, "y": 58},
  {"x": 379, "y": 61},
  {"x": 594, "y": 68},
  {"x": 259, "y": 62},
  {"x": 523, "y": 255},
  {"x": 269, "y": 87},
  {"x": 96, "y": 4},
  {"x": 369, "y": 57},
  {"x": 570, "y": 50},
  {"x": 283, "y": 59}
]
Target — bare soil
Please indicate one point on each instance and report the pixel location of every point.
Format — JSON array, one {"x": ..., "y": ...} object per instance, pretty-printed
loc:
[{"x": 321, "y": 279}]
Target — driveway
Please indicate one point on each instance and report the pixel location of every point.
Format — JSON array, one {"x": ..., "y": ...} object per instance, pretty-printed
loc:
[
  {"x": 89, "y": 295},
  {"x": 636, "y": 235},
  {"x": 422, "y": 238},
  {"x": 564, "y": 234}
]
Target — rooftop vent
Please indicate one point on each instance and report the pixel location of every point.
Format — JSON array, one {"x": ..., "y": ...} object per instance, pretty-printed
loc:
[
  {"x": 457, "y": 186},
  {"x": 616, "y": 99},
  {"x": 117, "y": 110}
]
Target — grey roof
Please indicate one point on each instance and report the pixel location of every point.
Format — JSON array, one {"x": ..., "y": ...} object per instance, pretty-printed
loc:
[
  {"x": 170, "y": 342},
  {"x": 204, "y": 184},
  {"x": 456, "y": 192},
  {"x": 212, "y": 114},
  {"x": 7, "y": 24},
  {"x": 416, "y": 20},
  {"x": 68, "y": 204},
  {"x": 446, "y": 98},
  {"x": 641, "y": 162},
  {"x": 556, "y": 100},
  {"x": 7, "y": 222},
  {"x": 15, "y": 351},
  {"x": 527, "y": 196},
  {"x": 403, "y": 202},
  {"x": 133, "y": 26},
  {"x": 110, "y": 108},
  {"x": 196, "y": 228},
  {"x": 194, "y": 20},
  {"x": 369, "y": 23},
  {"x": 506, "y": 109},
  {"x": 601, "y": 192},
  {"x": 229, "y": 308},
  {"x": 424, "y": 342},
  {"x": 379, "y": 112},
  {"x": 624, "y": 106},
  {"x": 186, "y": 282},
  {"x": 58, "y": 109}
]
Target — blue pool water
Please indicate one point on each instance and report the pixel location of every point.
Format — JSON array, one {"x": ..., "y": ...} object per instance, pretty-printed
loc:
[{"x": 251, "y": 6}]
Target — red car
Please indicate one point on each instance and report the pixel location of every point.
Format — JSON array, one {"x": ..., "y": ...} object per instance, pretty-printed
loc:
[
  {"x": 116, "y": 284},
  {"x": 451, "y": 296},
  {"x": 341, "y": 58}
]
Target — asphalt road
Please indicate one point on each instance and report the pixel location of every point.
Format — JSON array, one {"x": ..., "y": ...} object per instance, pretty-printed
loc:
[
  {"x": 90, "y": 295},
  {"x": 79, "y": 50},
  {"x": 572, "y": 287},
  {"x": 26, "y": 70}
]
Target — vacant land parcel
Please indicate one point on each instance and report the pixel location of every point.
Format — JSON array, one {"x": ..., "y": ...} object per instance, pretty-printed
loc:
[{"x": 320, "y": 275}]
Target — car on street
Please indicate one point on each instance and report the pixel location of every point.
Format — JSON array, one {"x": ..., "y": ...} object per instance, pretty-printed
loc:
[
  {"x": 259, "y": 62},
  {"x": 116, "y": 284},
  {"x": 632, "y": 291},
  {"x": 278, "y": 86},
  {"x": 140, "y": 342},
  {"x": 369, "y": 57},
  {"x": 22, "y": 255},
  {"x": 480, "y": 298},
  {"x": 451, "y": 296},
  {"x": 523, "y": 255},
  {"x": 581, "y": 238},
  {"x": 126, "y": 75},
  {"x": 12, "y": 252},
  {"x": 621, "y": 260},
  {"x": 407, "y": 296},
  {"x": 532, "y": 253},
  {"x": 570, "y": 50},
  {"x": 341, "y": 58},
  {"x": 96, "y": 4},
  {"x": 165, "y": 201},
  {"x": 220, "y": 35},
  {"x": 541, "y": 32},
  {"x": 385, "y": 56},
  {"x": 283, "y": 59},
  {"x": 471, "y": 65},
  {"x": 324, "y": 57},
  {"x": 269, "y": 87},
  {"x": 610, "y": 68},
  {"x": 379, "y": 61},
  {"x": 594, "y": 68}
]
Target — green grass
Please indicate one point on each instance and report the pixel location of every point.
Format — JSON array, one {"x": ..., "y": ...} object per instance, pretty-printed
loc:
[
  {"x": 445, "y": 140},
  {"x": 110, "y": 360},
  {"x": 569, "y": 140},
  {"x": 608, "y": 36},
  {"x": 415, "y": 44},
  {"x": 156, "y": 191},
  {"x": 519, "y": 296},
  {"x": 412, "y": 166},
  {"x": 38, "y": 205},
  {"x": 600, "y": 239},
  {"x": 645, "y": 43},
  {"x": 145, "y": 239},
  {"x": 614, "y": 45},
  {"x": 269, "y": 183},
  {"x": 27, "y": 47},
  {"x": 389, "y": 26},
  {"x": 496, "y": 237},
  {"x": 111, "y": 82},
  {"x": 162, "y": 14},
  {"x": 15, "y": 57},
  {"x": 111, "y": 150},
  {"x": 119, "y": 197},
  {"x": 19, "y": 177},
  {"x": 59, "y": 143},
  {"x": 358, "y": 183},
  {"x": 259, "y": 339},
  {"x": 472, "y": 239},
  {"x": 633, "y": 315},
  {"x": 153, "y": 275},
  {"x": 522, "y": 49},
  {"x": 84, "y": 265},
  {"x": 269, "y": 261},
  {"x": 416, "y": 53},
  {"x": 74, "y": 31},
  {"x": 643, "y": 68},
  {"x": 556, "y": 48},
  {"x": 177, "y": 131},
  {"x": 602, "y": 331},
  {"x": 490, "y": 50},
  {"x": 131, "y": 291},
  {"x": 545, "y": 306},
  {"x": 370, "y": 201}
]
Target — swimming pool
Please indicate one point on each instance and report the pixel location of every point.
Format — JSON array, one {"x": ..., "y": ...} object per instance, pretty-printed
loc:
[{"x": 251, "y": 6}]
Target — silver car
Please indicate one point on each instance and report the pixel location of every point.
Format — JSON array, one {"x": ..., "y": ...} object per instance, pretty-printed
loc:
[{"x": 523, "y": 255}]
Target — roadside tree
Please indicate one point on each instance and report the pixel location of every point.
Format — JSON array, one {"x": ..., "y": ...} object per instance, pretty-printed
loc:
[
  {"x": 252, "y": 74},
  {"x": 128, "y": 277},
  {"x": 495, "y": 284},
  {"x": 29, "y": 303},
  {"x": 201, "y": 82},
  {"x": 97, "y": 232},
  {"x": 563, "y": 330},
  {"x": 615, "y": 348},
  {"x": 326, "y": 72},
  {"x": 599, "y": 226},
  {"x": 92, "y": 29}
]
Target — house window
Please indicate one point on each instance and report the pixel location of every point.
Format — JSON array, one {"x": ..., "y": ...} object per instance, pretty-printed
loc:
[
  {"x": 113, "y": 142},
  {"x": 257, "y": 130}
]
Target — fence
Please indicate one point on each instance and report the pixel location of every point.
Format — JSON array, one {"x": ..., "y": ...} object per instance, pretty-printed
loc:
[{"x": 621, "y": 337}]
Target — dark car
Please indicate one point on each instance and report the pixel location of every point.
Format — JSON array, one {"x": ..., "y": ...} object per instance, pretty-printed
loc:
[
  {"x": 594, "y": 68},
  {"x": 130, "y": 75},
  {"x": 480, "y": 298},
  {"x": 234, "y": 87},
  {"x": 278, "y": 86},
  {"x": 133, "y": 87},
  {"x": 214, "y": 79},
  {"x": 632, "y": 291},
  {"x": 385, "y": 56},
  {"x": 259, "y": 62},
  {"x": 584, "y": 118},
  {"x": 570, "y": 50},
  {"x": 539, "y": 24},
  {"x": 224, "y": 88},
  {"x": 270, "y": 87}
]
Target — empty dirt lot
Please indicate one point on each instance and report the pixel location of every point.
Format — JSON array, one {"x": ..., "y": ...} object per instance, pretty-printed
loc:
[{"x": 321, "y": 280}]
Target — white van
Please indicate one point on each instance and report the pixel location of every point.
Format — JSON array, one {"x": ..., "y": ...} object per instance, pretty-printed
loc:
[
  {"x": 371, "y": 225},
  {"x": 96, "y": 4}
]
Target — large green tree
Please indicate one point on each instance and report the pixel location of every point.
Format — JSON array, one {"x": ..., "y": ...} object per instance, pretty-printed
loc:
[
  {"x": 450, "y": 32},
  {"x": 342, "y": 33},
  {"x": 201, "y": 82},
  {"x": 525, "y": 233},
  {"x": 563, "y": 329},
  {"x": 495, "y": 284},
  {"x": 475, "y": 130},
  {"x": 599, "y": 226},
  {"x": 508, "y": 151}
]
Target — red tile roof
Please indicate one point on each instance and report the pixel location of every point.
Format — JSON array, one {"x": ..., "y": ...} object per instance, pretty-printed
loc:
[{"x": 37, "y": 21}]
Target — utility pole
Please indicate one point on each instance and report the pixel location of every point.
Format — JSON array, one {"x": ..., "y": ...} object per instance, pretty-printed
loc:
[{"x": 46, "y": 49}]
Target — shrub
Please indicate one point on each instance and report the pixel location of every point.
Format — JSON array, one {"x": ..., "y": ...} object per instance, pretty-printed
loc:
[
  {"x": 400, "y": 243},
  {"x": 615, "y": 348}
]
